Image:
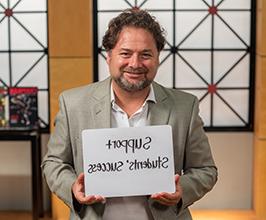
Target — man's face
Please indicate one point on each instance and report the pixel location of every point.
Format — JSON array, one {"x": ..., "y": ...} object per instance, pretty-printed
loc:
[{"x": 134, "y": 60}]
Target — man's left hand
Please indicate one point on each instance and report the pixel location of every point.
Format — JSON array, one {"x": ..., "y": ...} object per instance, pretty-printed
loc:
[{"x": 169, "y": 199}]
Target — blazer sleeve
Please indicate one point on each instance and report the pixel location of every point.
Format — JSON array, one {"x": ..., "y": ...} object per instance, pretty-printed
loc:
[
  {"x": 57, "y": 165},
  {"x": 199, "y": 170}
]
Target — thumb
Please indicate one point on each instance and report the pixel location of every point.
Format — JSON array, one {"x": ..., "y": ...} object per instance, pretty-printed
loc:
[
  {"x": 80, "y": 178},
  {"x": 177, "y": 177}
]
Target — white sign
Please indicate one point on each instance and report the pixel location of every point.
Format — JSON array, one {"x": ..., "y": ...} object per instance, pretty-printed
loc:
[{"x": 128, "y": 161}]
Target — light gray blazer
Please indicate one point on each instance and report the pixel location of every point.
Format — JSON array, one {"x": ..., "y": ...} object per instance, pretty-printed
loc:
[{"x": 89, "y": 107}]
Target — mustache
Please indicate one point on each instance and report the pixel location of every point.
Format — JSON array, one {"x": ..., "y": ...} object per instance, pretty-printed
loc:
[{"x": 134, "y": 70}]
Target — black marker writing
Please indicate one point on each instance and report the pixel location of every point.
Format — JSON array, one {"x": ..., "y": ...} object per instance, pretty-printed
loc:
[
  {"x": 105, "y": 167},
  {"x": 130, "y": 145},
  {"x": 149, "y": 164}
]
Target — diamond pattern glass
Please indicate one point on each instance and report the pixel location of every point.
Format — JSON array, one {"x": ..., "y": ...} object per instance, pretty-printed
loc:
[
  {"x": 210, "y": 52},
  {"x": 23, "y": 49}
]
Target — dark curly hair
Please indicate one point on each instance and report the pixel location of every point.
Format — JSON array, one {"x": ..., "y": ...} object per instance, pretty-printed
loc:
[{"x": 133, "y": 18}]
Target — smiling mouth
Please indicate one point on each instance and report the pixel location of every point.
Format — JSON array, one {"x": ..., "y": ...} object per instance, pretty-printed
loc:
[
  {"x": 136, "y": 71},
  {"x": 134, "y": 75}
]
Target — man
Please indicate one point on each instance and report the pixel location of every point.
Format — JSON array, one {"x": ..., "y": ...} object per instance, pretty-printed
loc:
[{"x": 129, "y": 97}]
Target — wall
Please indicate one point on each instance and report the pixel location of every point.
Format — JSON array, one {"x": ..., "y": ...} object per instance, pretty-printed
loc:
[
  {"x": 233, "y": 154},
  {"x": 15, "y": 175},
  {"x": 70, "y": 58}
]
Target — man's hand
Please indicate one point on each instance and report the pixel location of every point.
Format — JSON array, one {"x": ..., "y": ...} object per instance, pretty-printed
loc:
[
  {"x": 79, "y": 192},
  {"x": 169, "y": 198}
]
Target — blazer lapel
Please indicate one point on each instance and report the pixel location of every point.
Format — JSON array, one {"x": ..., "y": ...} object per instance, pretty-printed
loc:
[
  {"x": 159, "y": 111},
  {"x": 102, "y": 106}
]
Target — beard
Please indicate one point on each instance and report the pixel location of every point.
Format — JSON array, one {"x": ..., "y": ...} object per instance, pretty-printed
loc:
[{"x": 124, "y": 84}]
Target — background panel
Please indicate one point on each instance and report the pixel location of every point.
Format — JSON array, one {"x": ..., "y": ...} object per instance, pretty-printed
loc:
[{"x": 69, "y": 36}]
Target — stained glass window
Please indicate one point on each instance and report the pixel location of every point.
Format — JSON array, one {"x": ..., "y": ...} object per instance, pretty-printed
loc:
[
  {"x": 210, "y": 52},
  {"x": 23, "y": 49}
]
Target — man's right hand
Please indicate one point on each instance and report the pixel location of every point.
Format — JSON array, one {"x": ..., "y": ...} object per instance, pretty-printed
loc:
[{"x": 78, "y": 190}]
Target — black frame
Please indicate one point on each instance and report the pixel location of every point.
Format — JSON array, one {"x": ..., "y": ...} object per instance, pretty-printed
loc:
[
  {"x": 249, "y": 50},
  {"x": 45, "y": 126}
]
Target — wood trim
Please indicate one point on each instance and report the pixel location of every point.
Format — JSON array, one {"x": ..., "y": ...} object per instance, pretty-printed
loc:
[
  {"x": 70, "y": 57},
  {"x": 222, "y": 215}
]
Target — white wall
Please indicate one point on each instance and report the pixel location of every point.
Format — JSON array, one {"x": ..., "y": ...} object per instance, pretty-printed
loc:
[
  {"x": 233, "y": 153},
  {"x": 15, "y": 175}
]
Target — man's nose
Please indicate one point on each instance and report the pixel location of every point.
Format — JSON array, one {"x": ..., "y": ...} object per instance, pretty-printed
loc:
[{"x": 134, "y": 61}]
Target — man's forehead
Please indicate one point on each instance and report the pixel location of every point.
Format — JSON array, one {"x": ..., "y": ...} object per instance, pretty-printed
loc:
[{"x": 129, "y": 49}]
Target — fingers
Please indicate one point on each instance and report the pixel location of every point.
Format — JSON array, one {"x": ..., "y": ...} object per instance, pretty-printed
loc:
[
  {"x": 89, "y": 200},
  {"x": 166, "y": 198},
  {"x": 169, "y": 198},
  {"x": 78, "y": 191}
]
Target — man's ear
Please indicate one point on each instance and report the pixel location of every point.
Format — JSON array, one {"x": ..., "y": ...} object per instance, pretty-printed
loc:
[{"x": 108, "y": 57}]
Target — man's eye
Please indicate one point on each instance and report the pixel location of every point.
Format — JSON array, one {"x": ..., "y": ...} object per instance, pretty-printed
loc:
[
  {"x": 146, "y": 55},
  {"x": 124, "y": 54}
]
